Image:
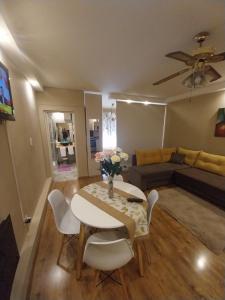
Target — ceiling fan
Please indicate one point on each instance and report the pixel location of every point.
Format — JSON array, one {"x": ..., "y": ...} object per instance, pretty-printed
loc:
[{"x": 198, "y": 63}]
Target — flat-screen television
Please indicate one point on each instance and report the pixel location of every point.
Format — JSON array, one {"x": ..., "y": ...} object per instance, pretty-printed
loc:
[{"x": 6, "y": 103}]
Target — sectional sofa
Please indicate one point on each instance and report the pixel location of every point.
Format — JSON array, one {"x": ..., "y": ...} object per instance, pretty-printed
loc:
[{"x": 201, "y": 173}]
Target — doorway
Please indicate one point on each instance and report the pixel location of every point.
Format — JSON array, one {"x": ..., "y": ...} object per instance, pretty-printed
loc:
[{"x": 62, "y": 145}]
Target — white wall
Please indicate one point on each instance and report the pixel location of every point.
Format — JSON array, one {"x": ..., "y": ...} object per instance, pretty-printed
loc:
[
  {"x": 191, "y": 123},
  {"x": 139, "y": 126},
  {"x": 22, "y": 171}
]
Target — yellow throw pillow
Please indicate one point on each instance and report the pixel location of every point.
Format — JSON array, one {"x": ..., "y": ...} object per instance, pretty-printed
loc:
[
  {"x": 211, "y": 162},
  {"x": 147, "y": 157},
  {"x": 166, "y": 153},
  {"x": 190, "y": 155}
]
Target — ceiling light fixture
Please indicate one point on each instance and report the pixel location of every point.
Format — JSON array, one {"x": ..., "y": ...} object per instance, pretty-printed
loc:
[
  {"x": 196, "y": 80},
  {"x": 34, "y": 83},
  {"x": 58, "y": 117},
  {"x": 142, "y": 102},
  {"x": 5, "y": 37}
]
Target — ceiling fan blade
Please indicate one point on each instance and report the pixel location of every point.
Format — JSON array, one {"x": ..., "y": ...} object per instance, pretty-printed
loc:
[
  {"x": 181, "y": 56},
  {"x": 217, "y": 57},
  {"x": 209, "y": 70},
  {"x": 171, "y": 76}
]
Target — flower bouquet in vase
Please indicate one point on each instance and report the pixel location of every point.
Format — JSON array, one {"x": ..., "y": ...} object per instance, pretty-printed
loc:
[{"x": 110, "y": 165}]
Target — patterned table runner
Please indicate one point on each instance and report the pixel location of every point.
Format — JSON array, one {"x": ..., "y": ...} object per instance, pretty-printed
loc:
[{"x": 133, "y": 215}]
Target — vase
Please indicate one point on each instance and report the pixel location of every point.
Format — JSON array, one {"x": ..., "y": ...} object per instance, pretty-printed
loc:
[{"x": 110, "y": 186}]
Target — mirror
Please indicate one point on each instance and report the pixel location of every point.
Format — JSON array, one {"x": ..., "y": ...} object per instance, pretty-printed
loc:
[
  {"x": 64, "y": 133},
  {"x": 94, "y": 135}
]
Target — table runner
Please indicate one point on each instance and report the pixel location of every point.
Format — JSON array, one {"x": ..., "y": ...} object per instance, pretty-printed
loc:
[
  {"x": 104, "y": 184},
  {"x": 132, "y": 215}
]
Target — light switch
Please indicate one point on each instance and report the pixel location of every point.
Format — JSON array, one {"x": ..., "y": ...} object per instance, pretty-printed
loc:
[{"x": 31, "y": 141}]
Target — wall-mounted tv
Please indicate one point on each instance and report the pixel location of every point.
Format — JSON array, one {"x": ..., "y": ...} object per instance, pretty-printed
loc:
[{"x": 6, "y": 104}]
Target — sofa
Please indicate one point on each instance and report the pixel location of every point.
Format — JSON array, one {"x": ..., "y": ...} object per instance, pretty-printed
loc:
[{"x": 200, "y": 172}]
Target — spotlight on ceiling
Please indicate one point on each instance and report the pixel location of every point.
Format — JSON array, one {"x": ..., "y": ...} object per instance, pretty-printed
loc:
[
  {"x": 5, "y": 37},
  {"x": 129, "y": 101},
  {"x": 35, "y": 84}
]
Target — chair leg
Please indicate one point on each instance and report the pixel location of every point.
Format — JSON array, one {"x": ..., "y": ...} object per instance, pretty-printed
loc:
[
  {"x": 140, "y": 259},
  {"x": 81, "y": 246},
  {"x": 61, "y": 248},
  {"x": 95, "y": 290},
  {"x": 147, "y": 254},
  {"x": 124, "y": 286}
]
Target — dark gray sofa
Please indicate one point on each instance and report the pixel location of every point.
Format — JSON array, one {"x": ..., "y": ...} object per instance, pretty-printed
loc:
[
  {"x": 203, "y": 183},
  {"x": 209, "y": 186},
  {"x": 154, "y": 175}
]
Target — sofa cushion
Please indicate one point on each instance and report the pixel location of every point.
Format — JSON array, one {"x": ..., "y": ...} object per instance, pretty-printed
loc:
[
  {"x": 177, "y": 158},
  {"x": 208, "y": 178},
  {"x": 166, "y": 154},
  {"x": 190, "y": 155},
  {"x": 146, "y": 157},
  {"x": 212, "y": 163}
]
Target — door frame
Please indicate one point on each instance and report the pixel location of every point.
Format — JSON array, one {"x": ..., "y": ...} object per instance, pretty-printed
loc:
[
  {"x": 48, "y": 136},
  {"x": 80, "y": 140}
]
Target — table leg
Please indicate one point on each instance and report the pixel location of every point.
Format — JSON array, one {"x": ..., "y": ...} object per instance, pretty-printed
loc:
[
  {"x": 80, "y": 251},
  {"x": 140, "y": 259}
]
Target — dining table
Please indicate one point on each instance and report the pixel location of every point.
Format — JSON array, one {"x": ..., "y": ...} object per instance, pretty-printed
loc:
[{"x": 93, "y": 214}]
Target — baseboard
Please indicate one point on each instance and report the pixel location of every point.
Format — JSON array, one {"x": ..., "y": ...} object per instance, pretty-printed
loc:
[{"x": 24, "y": 269}]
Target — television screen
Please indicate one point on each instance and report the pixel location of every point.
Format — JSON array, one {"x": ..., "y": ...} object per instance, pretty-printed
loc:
[{"x": 6, "y": 104}]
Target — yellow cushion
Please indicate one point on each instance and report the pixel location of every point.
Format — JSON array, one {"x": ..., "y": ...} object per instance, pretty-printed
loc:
[
  {"x": 147, "y": 157},
  {"x": 166, "y": 153},
  {"x": 212, "y": 163},
  {"x": 190, "y": 155}
]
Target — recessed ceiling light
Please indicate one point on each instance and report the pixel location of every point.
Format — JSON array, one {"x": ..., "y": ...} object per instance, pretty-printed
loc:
[
  {"x": 5, "y": 37},
  {"x": 34, "y": 83},
  {"x": 58, "y": 117},
  {"x": 142, "y": 102}
]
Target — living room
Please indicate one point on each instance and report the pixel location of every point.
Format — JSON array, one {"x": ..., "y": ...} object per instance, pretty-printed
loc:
[{"x": 112, "y": 125}]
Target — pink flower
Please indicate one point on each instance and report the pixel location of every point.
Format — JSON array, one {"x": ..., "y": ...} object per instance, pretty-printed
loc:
[
  {"x": 99, "y": 156},
  {"x": 108, "y": 153}
]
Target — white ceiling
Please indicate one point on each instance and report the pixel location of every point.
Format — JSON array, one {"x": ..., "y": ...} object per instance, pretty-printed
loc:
[{"x": 113, "y": 45}]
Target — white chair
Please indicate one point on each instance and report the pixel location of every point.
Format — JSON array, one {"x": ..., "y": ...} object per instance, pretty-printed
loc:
[
  {"x": 66, "y": 222},
  {"x": 107, "y": 251},
  {"x": 152, "y": 198}
]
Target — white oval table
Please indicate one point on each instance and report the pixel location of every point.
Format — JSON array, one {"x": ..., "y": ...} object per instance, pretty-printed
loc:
[{"x": 90, "y": 215}]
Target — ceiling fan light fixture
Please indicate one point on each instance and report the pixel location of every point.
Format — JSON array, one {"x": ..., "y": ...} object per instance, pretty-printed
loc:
[
  {"x": 200, "y": 62},
  {"x": 195, "y": 80}
]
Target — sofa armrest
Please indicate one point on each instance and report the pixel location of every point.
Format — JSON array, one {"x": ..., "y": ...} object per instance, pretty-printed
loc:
[{"x": 134, "y": 160}]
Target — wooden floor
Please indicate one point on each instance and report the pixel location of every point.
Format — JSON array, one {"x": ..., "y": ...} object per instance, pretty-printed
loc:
[{"x": 181, "y": 266}]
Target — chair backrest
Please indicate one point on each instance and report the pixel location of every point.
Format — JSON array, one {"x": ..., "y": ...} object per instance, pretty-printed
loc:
[
  {"x": 104, "y": 243},
  {"x": 107, "y": 255},
  {"x": 59, "y": 206},
  {"x": 153, "y": 196}
]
